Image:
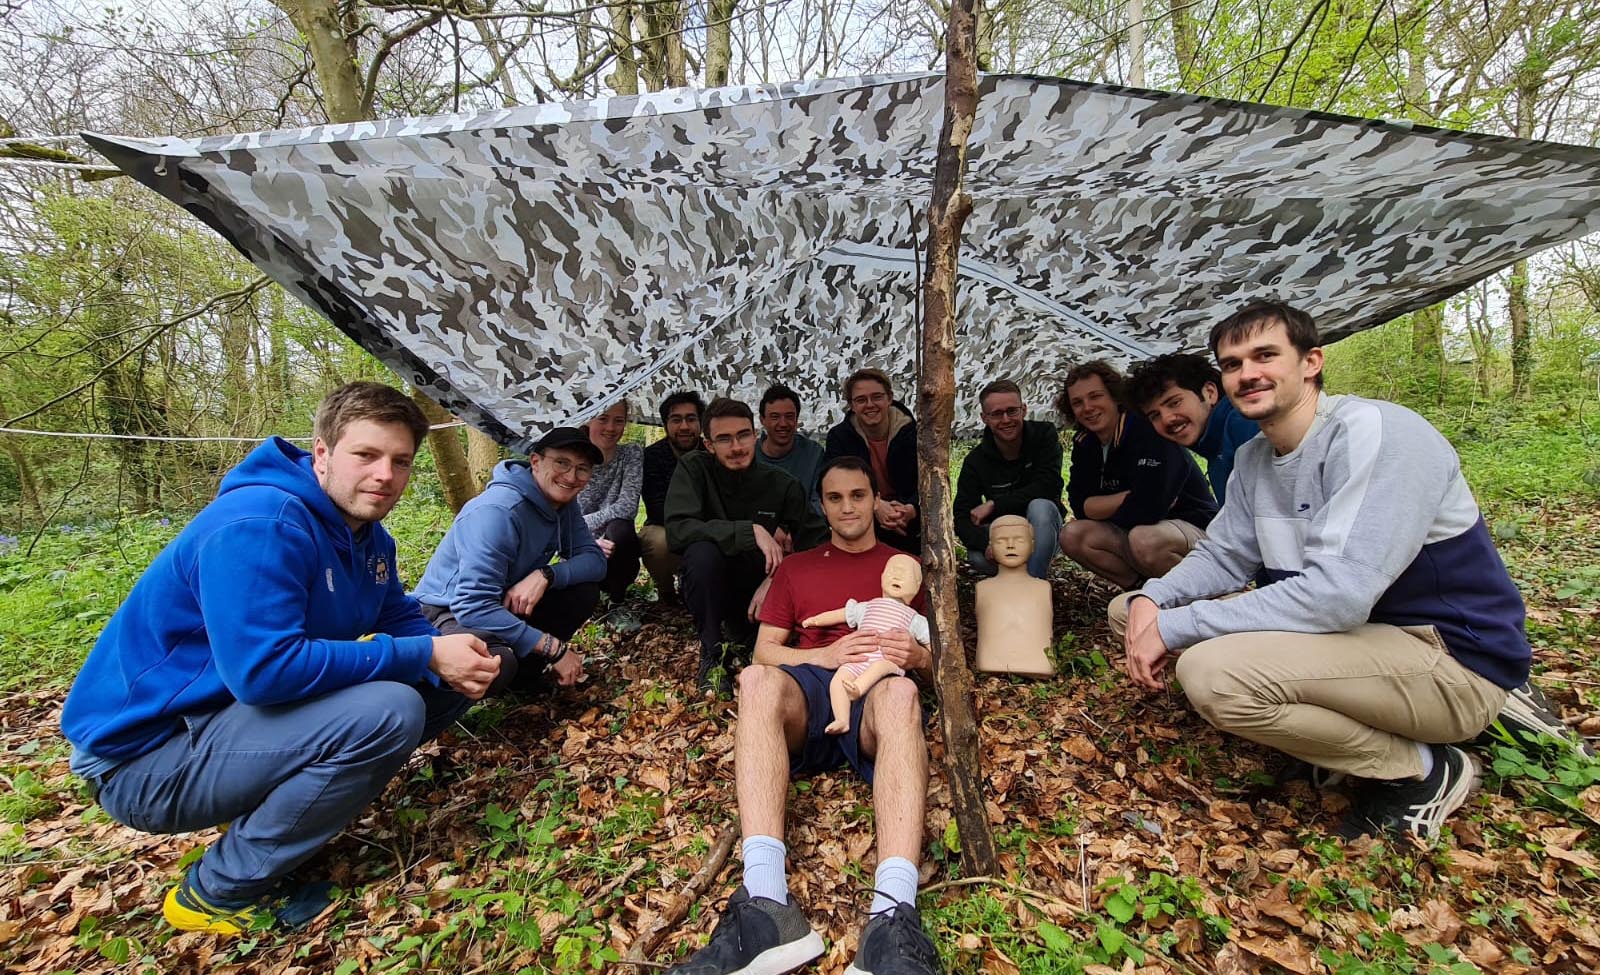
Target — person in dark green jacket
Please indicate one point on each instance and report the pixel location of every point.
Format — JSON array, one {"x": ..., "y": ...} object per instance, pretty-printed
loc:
[
  {"x": 1014, "y": 470},
  {"x": 733, "y": 521}
]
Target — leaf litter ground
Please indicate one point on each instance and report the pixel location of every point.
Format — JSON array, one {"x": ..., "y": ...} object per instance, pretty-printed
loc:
[{"x": 547, "y": 833}]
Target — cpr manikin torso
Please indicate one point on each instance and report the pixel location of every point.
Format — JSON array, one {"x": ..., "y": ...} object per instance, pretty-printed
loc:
[{"x": 1014, "y": 618}]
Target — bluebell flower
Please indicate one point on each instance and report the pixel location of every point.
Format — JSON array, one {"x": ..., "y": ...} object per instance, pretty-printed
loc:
[{"x": 165, "y": 522}]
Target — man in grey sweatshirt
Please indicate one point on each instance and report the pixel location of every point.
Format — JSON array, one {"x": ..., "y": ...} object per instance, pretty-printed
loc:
[{"x": 1390, "y": 628}]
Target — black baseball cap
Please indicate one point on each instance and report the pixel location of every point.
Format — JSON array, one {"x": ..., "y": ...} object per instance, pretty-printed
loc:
[{"x": 570, "y": 438}]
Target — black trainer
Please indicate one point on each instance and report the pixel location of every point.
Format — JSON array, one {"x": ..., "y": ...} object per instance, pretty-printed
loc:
[
  {"x": 1528, "y": 718},
  {"x": 895, "y": 943},
  {"x": 1300, "y": 770},
  {"x": 1393, "y": 808},
  {"x": 756, "y": 936}
]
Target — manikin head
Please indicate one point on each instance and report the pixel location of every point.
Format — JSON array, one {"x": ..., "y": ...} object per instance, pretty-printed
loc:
[
  {"x": 1011, "y": 539},
  {"x": 902, "y": 577}
]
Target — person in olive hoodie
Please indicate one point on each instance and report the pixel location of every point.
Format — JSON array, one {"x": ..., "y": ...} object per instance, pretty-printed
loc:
[
  {"x": 492, "y": 574},
  {"x": 883, "y": 433},
  {"x": 1014, "y": 470},
  {"x": 733, "y": 521}
]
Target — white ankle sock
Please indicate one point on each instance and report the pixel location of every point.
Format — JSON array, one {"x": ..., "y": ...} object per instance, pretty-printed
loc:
[
  {"x": 764, "y": 873},
  {"x": 1426, "y": 751},
  {"x": 895, "y": 883}
]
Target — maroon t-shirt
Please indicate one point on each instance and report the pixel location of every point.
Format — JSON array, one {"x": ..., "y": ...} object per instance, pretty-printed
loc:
[{"x": 822, "y": 579}]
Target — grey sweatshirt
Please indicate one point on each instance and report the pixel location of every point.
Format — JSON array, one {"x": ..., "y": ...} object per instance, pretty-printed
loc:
[{"x": 1368, "y": 520}]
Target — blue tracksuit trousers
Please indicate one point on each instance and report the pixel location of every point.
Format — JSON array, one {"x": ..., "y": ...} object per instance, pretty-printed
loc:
[{"x": 286, "y": 777}]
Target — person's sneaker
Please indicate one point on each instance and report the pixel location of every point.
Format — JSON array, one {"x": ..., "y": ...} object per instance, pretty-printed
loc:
[
  {"x": 1393, "y": 808},
  {"x": 1528, "y": 718},
  {"x": 895, "y": 943},
  {"x": 187, "y": 910},
  {"x": 715, "y": 679},
  {"x": 756, "y": 936}
]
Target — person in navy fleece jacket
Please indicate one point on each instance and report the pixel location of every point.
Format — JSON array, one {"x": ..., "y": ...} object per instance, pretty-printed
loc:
[
  {"x": 492, "y": 575},
  {"x": 268, "y": 670},
  {"x": 1139, "y": 502}
]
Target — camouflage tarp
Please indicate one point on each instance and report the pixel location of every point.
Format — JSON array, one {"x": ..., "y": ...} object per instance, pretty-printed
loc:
[{"x": 529, "y": 265}]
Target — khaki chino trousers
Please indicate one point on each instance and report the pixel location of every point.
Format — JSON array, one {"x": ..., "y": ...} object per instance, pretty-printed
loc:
[{"x": 1353, "y": 702}]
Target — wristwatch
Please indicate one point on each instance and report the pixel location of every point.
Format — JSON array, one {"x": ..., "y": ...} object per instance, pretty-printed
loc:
[{"x": 549, "y": 574}]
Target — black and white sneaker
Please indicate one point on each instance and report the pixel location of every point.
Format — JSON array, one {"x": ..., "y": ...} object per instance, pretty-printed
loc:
[
  {"x": 756, "y": 936},
  {"x": 1393, "y": 808},
  {"x": 895, "y": 943},
  {"x": 1528, "y": 718}
]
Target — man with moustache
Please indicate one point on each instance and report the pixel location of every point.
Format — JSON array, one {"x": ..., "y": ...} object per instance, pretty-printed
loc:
[
  {"x": 268, "y": 671},
  {"x": 1139, "y": 502},
  {"x": 1014, "y": 470},
  {"x": 882, "y": 432},
  {"x": 680, "y": 419},
  {"x": 782, "y": 445},
  {"x": 784, "y": 710},
  {"x": 733, "y": 521},
  {"x": 1390, "y": 629},
  {"x": 1181, "y": 395},
  {"x": 493, "y": 574}
]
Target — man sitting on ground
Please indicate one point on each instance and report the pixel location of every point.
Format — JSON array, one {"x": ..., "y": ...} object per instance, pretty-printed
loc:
[
  {"x": 1014, "y": 470},
  {"x": 492, "y": 575},
  {"x": 783, "y": 446},
  {"x": 680, "y": 419},
  {"x": 268, "y": 670},
  {"x": 883, "y": 433},
  {"x": 733, "y": 521},
  {"x": 1140, "y": 502},
  {"x": 1181, "y": 395},
  {"x": 1391, "y": 628},
  {"x": 784, "y": 712}
]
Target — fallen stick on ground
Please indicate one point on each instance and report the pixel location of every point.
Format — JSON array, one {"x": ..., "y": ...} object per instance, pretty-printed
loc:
[{"x": 648, "y": 941}]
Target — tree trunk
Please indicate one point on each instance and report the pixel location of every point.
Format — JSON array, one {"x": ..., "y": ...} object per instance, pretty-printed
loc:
[
  {"x": 936, "y": 410},
  {"x": 1427, "y": 324},
  {"x": 1427, "y": 344},
  {"x": 1529, "y": 81},
  {"x": 719, "y": 41},
  {"x": 1136, "y": 43},
  {"x": 455, "y": 475},
  {"x": 25, "y": 480},
  {"x": 333, "y": 57},
  {"x": 482, "y": 454},
  {"x": 1184, "y": 41},
  {"x": 987, "y": 24},
  {"x": 624, "y": 79}
]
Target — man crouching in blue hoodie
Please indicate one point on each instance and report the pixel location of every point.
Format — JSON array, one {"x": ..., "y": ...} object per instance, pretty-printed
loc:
[
  {"x": 268, "y": 670},
  {"x": 492, "y": 575}
]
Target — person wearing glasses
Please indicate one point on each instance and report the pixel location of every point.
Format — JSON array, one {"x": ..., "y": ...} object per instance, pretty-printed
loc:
[
  {"x": 733, "y": 521},
  {"x": 1014, "y": 470},
  {"x": 883, "y": 433},
  {"x": 493, "y": 576}
]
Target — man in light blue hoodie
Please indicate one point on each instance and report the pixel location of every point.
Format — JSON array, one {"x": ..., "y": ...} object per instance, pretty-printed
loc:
[
  {"x": 492, "y": 575},
  {"x": 268, "y": 671}
]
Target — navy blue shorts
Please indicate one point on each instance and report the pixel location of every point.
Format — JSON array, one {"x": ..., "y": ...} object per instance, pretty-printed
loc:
[{"x": 823, "y": 752}]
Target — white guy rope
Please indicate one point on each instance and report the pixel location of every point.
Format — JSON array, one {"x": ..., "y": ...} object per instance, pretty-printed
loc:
[{"x": 130, "y": 436}]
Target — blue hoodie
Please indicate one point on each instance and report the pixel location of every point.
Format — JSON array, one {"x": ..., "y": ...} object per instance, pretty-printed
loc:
[
  {"x": 498, "y": 539},
  {"x": 1226, "y": 431},
  {"x": 261, "y": 599}
]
